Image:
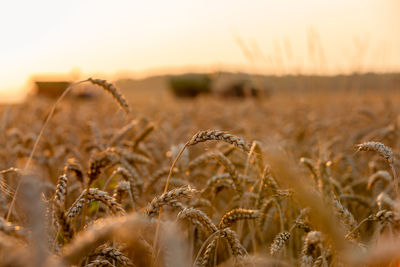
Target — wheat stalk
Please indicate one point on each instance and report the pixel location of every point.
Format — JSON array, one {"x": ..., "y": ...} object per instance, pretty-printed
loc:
[
  {"x": 157, "y": 175},
  {"x": 102, "y": 83}
]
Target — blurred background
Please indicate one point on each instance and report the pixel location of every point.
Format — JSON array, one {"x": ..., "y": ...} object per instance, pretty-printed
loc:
[{"x": 129, "y": 40}]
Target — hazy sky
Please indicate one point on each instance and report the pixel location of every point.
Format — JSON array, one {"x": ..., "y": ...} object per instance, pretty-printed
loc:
[{"x": 147, "y": 37}]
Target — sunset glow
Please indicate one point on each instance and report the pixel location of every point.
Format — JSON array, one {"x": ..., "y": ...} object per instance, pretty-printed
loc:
[
  {"x": 200, "y": 133},
  {"x": 140, "y": 38}
]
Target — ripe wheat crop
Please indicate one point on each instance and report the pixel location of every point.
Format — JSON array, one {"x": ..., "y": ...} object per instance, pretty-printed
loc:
[{"x": 292, "y": 180}]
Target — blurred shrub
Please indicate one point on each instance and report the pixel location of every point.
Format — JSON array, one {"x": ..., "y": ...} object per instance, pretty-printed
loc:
[{"x": 190, "y": 85}]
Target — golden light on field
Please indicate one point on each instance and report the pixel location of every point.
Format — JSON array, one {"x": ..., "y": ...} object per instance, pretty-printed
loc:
[
  {"x": 146, "y": 37},
  {"x": 276, "y": 144}
]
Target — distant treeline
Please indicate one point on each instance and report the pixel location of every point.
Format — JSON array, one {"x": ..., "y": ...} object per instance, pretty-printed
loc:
[
  {"x": 222, "y": 82},
  {"x": 368, "y": 81}
]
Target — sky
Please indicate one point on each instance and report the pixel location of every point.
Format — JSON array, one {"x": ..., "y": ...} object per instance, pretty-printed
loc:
[{"x": 141, "y": 38}]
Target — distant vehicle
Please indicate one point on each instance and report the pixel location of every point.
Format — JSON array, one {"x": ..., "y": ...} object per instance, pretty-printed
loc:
[
  {"x": 239, "y": 85},
  {"x": 54, "y": 89},
  {"x": 51, "y": 89}
]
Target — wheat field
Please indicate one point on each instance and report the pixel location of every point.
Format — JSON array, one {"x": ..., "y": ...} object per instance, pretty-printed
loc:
[{"x": 124, "y": 179}]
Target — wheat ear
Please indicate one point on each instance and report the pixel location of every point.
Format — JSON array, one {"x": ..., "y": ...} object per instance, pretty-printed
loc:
[
  {"x": 387, "y": 154},
  {"x": 100, "y": 263},
  {"x": 113, "y": 254},
  {"x": 206, "y": 135},
  {"x": 134, "y": 186},
  {"x": 233, "y": 240},
  {"x": 168, "y": 199},
  {"x": 204, "y": 260},
  {"x": 219, "y": 180},
  {"x": 237, "y": 214},
  {"x": 109, "y": 87},
  {"x": 100, "y": 232},
  {"x": 279, "y": 242},
  {"x": 119, "y": 135},
  {"x": 102, "y": 83},
  {"x": 379, "y": 175},
  {"x": 312, "y": 248},
  {"x": 59, "y": 207},
  {"x": 142, "y": 135},
  {"x": 37, "y": 143},
  {"x": 198, "y": 218},
  {"x": 73, "y": 166},
  {"x": 94, "y": 194},
  {"x": 121, "y": 190}
]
